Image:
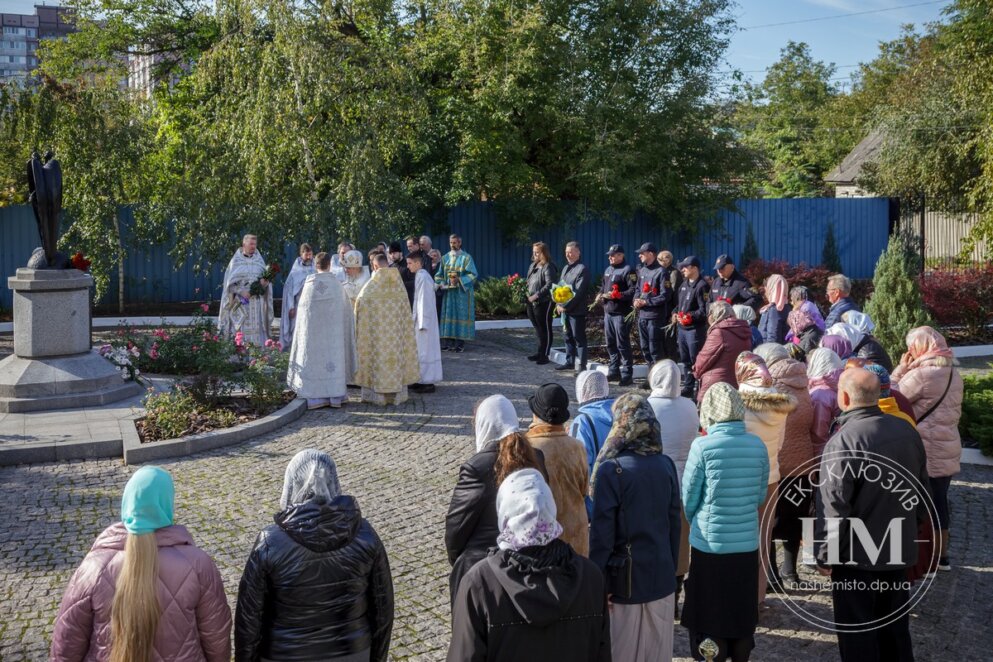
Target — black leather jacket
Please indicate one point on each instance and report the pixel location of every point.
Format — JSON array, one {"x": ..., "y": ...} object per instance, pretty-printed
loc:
[
  {"x": 541, "y": 279},
  {"x": 471, "y": 524},
  {"x": 317, "y": 585}
]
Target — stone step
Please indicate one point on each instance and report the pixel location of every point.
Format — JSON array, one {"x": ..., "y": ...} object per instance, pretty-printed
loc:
[
  {"x": 63, "y": 375},
  {"x": 95, "y": 398}
]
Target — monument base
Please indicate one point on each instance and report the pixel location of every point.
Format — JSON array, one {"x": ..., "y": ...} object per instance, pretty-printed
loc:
[{"x": 63, "y": 382}]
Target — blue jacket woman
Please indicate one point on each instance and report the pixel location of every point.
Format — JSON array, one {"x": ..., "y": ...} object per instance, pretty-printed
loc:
[{"x": 724, "y": 483}]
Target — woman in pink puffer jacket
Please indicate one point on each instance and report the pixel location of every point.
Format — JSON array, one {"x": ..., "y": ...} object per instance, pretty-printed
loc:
[
  {"x": 928, "y": 379},
  {"x": 144, "y": 591}
]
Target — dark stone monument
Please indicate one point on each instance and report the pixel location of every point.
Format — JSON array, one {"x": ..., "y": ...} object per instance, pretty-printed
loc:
[
  {"x": 45, "y": 196},
  {"x": 53, "y": 365}
]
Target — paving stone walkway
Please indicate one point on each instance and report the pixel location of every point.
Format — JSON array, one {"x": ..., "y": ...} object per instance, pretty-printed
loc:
[{"x": 401, "y": 464}]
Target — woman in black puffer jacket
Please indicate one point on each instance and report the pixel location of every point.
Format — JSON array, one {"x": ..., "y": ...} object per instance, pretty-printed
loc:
[
  {"x": 542, "y": 275},
  {"x": 317, "y": 584}
]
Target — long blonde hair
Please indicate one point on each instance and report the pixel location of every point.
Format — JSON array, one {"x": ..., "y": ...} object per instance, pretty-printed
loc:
[{"x": 134, "y": 615}]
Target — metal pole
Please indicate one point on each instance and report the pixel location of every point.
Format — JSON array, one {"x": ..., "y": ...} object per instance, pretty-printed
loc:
[{"x": 923, "y": 245}]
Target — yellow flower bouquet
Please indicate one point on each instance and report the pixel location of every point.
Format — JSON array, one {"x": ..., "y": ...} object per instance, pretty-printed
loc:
[{"x": 563, "y": 293}]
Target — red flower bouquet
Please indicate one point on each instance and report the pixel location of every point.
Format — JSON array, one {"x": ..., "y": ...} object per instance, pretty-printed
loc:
[
  {"x": 80, "y": 262},
  {"x": 258, "y": 289}
]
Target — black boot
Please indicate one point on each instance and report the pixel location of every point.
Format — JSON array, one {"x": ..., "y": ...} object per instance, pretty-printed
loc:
[
  {"x": 788, "y": 569},
  {"x": 582, "y": 359},
  {"x": 568, "y": 365}
]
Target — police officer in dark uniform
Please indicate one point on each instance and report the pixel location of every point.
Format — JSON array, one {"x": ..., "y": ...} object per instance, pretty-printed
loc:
[
  {"x": 691, "y": 319},
  {"x": 652, "y": 301},
  {"x": 617, "y": 292},
  {"x": 731, "y": 286}
]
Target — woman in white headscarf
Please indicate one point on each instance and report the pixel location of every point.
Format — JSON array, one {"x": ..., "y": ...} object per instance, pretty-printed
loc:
[
  {"x": 677, "y": 415},
  {"x": 680, "y": 425},
  {"x": 320, "y": 539},
  {"x": 501, "y": 448},
  {"x": 533, "y": 598},
  {"x": 592, "y": 422},
  {"x": 865, "y": 346}
]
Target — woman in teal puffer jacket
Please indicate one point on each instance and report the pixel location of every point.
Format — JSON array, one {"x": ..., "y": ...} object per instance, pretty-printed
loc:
[{"x": 724, "y": 483}]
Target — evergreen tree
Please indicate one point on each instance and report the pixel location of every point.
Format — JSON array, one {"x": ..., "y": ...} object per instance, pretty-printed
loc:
[
  {"x": 830, "y": 257},
  {"x": 898, "y": 308},
  {"x": 751, "y": 250}
]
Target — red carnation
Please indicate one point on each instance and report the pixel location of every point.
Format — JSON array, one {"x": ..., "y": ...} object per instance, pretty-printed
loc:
[{"x": 646, "y": 288}]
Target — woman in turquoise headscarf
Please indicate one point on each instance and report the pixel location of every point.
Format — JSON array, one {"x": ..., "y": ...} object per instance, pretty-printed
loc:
[{"x": 144, "y": 591}]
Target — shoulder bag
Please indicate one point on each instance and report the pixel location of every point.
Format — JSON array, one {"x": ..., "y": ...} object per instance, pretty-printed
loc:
[
  {"x": 951, "y": 374},
  {"x": 620, "y": 565}
]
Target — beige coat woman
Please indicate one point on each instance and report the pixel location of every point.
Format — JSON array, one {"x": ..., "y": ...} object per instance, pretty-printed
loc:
[{"x": 565, "y": 460}]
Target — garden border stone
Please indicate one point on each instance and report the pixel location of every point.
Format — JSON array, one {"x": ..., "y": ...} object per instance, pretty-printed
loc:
[
  {"x": 112, "y": 322},
  {"x": 136, "y": 452}
]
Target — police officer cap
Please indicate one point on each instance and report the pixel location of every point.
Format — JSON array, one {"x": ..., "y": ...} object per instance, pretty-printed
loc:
[
  {"x": 722, "y": 262},
  {"x": 648, "y": 247},
  {"x": 616, "y": 248},
  {"x": 689, "y": 261}
]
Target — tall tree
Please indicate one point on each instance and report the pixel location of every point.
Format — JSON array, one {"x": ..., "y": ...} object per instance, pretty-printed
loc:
[{"x": 782, "y": 119}]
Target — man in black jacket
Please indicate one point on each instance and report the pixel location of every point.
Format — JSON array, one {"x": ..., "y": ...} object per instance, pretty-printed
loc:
[
  {"x": 573, "y": 313},
  {"x": 617, "y": 292},
  {"x": 400, "y": 264},
  {"x": 731, "y": 286},
  {"x": 870, "y": 499},
  {"x": 691, "y": 318},
  {"x": 652, "y": 302}
]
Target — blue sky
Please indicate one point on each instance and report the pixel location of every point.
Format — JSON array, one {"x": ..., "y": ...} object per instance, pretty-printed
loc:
[{"x": 845, "y": 41}]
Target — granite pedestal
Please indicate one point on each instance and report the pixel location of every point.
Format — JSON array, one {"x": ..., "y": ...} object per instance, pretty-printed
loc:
[{"x": 53, "y": 365}]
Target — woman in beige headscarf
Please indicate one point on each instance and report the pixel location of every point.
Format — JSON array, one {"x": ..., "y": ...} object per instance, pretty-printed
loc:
[{"x": 766, "y": 410}]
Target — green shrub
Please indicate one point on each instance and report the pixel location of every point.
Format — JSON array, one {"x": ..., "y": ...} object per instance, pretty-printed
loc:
[
  {"x": 977, "y": 411},
  {"x": 177, "y": 413},
  {"x": 896, "y": 305},
  {"x": 500, "y": 296},
  {"x": 265, "y": 377}
]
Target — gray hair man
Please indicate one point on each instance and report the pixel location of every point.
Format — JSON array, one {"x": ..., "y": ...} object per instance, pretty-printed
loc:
[
  {"x": 839, "y": 290},
  {"x": 869, "y": 502}
]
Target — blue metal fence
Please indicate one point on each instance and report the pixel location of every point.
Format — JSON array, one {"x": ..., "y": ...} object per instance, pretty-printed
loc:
[{"x": 785, "y": 229}]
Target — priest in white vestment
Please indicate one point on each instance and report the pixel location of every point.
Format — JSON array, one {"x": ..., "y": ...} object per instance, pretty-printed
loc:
[
  {"x": 303, "y": 267},
  {"x": 356, "y": 276},
  {"x": 323, "y": 357},
  {"x": 425, "y": 316},
  {"x": 240, "y": 310},
  {"x": 337, "y": 268},
  {"x": 384, "y": 334}
]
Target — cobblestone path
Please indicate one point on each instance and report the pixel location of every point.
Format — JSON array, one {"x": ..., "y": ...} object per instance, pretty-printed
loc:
[{"x": 401, "y": 464}]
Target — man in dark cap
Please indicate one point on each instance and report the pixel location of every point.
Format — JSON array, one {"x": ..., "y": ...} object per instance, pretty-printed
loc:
[
  {"x": 397, "y": 262},
  {"x": 620, "y": 282},
  {"x": 731, "y": 286},
  {"x": 652, "y": 302},
  {"x": 565, "y": 459},
  {"x": 691, "y": 319}
]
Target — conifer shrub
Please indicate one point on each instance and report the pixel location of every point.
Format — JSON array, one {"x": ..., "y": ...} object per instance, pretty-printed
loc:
[
  {"x": 830, "y": 258},
  {"x": 896, "y": 305}
]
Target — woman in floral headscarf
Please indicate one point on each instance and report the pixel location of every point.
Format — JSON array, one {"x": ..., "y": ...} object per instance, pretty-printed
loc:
[
  {"x": 928, "y": 378},
  {"x": 634, "y": 533},
  {"x": 533, "y": 597},
  {"x": 805, "y": 331},
  {"x": 766, "y": 410},
  {"x": 772, "y": 320},
  {"x": 723, "y": 485}
]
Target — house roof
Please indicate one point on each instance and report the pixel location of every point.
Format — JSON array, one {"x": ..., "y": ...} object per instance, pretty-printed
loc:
[{"x": 851, "y": 166}]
